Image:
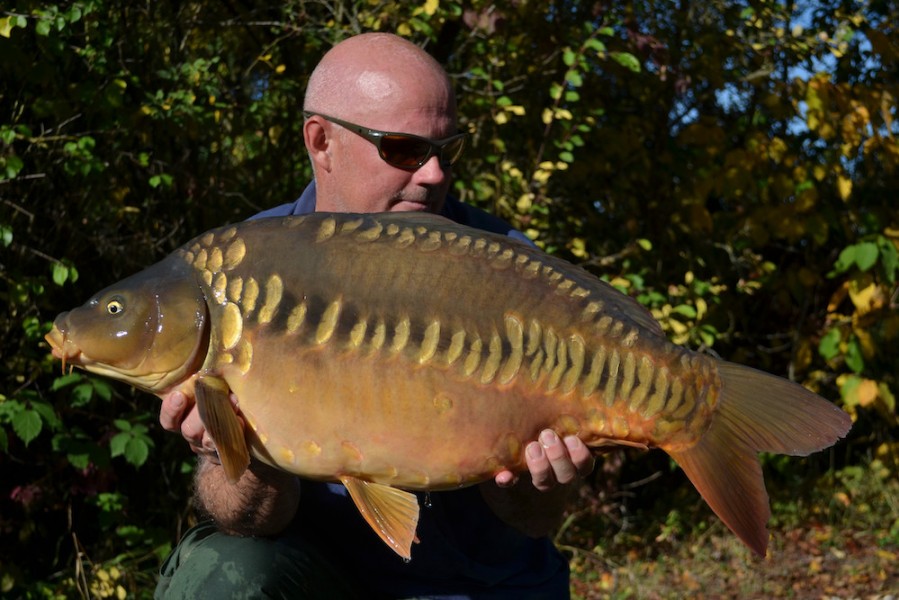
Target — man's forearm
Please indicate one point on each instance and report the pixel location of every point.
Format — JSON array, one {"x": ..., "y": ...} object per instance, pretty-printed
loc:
[{"x": 261, "y": 503}]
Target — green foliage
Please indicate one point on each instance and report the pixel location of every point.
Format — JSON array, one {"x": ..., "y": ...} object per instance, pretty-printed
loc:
[{"x": 730, "y": 165}]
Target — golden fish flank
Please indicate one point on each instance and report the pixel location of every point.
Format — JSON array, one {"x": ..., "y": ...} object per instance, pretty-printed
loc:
[{"x": 590, "y": 359}]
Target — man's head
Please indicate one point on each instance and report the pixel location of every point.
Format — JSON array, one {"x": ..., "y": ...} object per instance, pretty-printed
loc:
[{"x": 383, "y": 82}]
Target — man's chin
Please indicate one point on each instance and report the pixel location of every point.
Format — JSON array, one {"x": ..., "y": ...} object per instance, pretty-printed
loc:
[{"x": 411, "y": 206}]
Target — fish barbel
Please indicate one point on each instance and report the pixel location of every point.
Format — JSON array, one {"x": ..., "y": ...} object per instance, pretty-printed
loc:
[{"x": 399, "y": 352}]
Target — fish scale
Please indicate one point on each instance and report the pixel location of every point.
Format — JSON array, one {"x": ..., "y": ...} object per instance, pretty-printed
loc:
[{"x": 401, "y": 352}]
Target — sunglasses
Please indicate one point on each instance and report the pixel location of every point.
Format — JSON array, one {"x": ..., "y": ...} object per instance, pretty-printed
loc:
[{"x": 404, "y": 150}]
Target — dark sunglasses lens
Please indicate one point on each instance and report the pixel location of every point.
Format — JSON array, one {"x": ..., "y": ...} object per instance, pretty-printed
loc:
[{"x": 404, "y": 152}]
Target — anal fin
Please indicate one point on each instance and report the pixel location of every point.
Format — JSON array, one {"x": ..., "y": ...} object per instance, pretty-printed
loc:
[
  {"x": 391, "y": 512},
  {"x": 217, "y": 413}
]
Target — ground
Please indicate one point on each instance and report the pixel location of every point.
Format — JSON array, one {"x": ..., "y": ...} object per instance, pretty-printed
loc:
[{"x": 837, "y": 538}]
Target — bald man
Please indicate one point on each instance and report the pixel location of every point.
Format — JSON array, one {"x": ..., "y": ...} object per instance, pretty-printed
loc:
[{"x": 274, "y": 536}]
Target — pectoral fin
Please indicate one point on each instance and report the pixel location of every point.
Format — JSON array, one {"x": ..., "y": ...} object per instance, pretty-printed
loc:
[
  {"x": 391, "y": 512},
  {"x": 217, "y": 413}
]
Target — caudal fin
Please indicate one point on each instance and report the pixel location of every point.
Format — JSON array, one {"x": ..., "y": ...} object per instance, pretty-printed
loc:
[{"x": 758, "y": 412}]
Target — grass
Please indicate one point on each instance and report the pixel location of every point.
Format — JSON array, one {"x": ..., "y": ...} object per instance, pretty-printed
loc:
[{"x": 835, "y": 536}]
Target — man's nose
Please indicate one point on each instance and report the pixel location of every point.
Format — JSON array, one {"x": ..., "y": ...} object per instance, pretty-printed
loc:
[{"x": 433, "y": 172}]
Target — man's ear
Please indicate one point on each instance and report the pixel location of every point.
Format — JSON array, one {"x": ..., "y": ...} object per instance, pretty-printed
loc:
[{"x": 317, "y": 137}]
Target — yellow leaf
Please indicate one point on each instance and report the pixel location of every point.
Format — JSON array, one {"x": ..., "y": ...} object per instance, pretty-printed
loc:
[
  {"x": 280, "y": 69},
  {"x": 865, "y": 293},
  {"x": 541, "y": 175},
  {"x": 579, "y": 248},
  {"x": 5, "y": 27},
  {"x": 844, "y": 187},
  {"x": 867, "y": 392},
  {"x": 547, "y": 116},
  {"x": 431, "y": 7}
]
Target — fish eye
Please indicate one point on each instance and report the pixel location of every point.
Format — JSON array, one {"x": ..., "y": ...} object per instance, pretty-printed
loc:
[{"x": 115, "y": 306}]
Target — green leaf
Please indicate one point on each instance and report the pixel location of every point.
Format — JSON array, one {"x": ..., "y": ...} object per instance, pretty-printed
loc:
[
  {"x": 889, "y": 258},
  {"x": 574, "y": 78},
  {"x": 5, "y": 235},
  {"x": 854, "y": 358},
  {"x": 48, "y": 414},
  {"x": 42, "y": 27},
  {"x": 103, "y": 389},
  {"x": 65, "y": 380},
  {"x": 137, "y": 451},
  {"x": 60, "y": 273},
  {"x": 829, "y": 346},
  {"x": 118, "y": 443},
  {"x": 568, "y": 57},
  {"x": 627, "y": 60},
  {"x": 685, "y": 310},
  {"x": 555, "y": 91},
  {"x": 866, "y": 255},
  {"x": 27, "y": 424},
  {"x": 82, "y": 394}
]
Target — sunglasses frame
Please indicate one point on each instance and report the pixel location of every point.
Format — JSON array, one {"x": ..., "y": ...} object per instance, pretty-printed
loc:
[{"x": 376, "y": 136}]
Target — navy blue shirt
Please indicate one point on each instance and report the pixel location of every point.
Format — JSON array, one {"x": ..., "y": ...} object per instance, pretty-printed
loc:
[{"x": 465, "y": 550}]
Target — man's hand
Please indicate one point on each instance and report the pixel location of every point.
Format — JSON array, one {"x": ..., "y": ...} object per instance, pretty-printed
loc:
[
  {"x": 536, "y": 508},
  {"x": 179, "y": 413},
  {"x": 552, "y": 461}
]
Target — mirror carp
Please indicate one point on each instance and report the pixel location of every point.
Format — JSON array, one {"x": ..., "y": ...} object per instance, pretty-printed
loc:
[{"x": 402, "y": 351}]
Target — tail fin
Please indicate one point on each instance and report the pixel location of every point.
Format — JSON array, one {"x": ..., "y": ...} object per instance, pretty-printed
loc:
[{"x": 757, "y": 412}]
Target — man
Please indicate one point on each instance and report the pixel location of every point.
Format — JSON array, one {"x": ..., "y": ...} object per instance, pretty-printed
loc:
[{"x": 480, "y": 542}]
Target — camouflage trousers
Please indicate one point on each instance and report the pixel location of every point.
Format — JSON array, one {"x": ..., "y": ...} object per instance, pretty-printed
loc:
[{"x": 210, "y": 564}]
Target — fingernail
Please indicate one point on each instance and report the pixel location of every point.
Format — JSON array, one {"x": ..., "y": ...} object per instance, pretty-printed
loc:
[
  {"x": 177, "y": 400},
  {"x": 571, "y": 441},
  {"x": 534, "y": 450},
  {"x": 548, "y": 438}
]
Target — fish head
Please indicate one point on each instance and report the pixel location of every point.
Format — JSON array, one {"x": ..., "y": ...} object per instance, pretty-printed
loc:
[{"x": 149, "y": 330}]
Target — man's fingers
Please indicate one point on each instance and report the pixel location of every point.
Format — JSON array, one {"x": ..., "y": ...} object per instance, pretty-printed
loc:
[
  {"x": 580, "y": 455},
  {"x": 563, "y": 469},
  {"x": 538, "y": 464},
  {"x": 506, "y": 479},
  {"x": 192, "y": 428},
  {"x": 172, "y": 411},
  {"x": 553, "y": 461}
]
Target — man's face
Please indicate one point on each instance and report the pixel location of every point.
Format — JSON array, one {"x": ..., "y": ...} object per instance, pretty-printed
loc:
[{"x": 363, "y": 182}]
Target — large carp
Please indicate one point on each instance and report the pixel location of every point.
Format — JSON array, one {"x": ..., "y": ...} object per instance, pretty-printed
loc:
[{"x": 401, "y": 352}]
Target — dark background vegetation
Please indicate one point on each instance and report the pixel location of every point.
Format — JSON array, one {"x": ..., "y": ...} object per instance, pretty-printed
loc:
[{"x": 732, "y": 165}]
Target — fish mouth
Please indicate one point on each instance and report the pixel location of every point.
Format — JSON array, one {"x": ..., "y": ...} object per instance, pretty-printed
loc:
[{"x": 63, "y": 349}]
